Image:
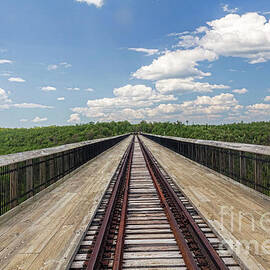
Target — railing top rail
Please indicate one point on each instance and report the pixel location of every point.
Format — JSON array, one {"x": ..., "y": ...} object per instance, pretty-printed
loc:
[
  {"x": 250, "y": 148},
  {"x": 22, "y": 156}
]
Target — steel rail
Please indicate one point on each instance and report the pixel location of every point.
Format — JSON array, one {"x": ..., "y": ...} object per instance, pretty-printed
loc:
[
  {"x": 118, "y": 256},
  {"x": 213, "y": 258},
  {"x": 98, "y": 249},
  {"x": 179, "y": 237}
]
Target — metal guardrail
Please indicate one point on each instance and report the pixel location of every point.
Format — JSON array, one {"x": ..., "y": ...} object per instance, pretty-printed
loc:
[
  {"x": 245, "y": 163},
  {"x": 23, "y": 175}
]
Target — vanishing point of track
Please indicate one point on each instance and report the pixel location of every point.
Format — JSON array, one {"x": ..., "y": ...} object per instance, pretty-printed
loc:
[{"x": 145, "y": 222}]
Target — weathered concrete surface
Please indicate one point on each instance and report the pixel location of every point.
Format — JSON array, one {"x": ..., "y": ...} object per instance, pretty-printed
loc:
[
  {"x": 246, "y": 218},
  {"x": 44, "y": 234}
]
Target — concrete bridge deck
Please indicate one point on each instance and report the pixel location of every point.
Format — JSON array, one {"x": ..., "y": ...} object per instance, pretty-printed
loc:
[{"x": 44, "y": 234}]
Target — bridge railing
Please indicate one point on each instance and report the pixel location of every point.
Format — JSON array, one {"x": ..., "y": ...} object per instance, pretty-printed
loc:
[
  {"x": 245, "y": 163},
  {"x": 23, "y": 175}
]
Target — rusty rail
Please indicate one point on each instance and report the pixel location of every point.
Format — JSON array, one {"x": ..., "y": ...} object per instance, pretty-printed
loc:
[
  {"x": 117, "y": 263},
  {"x": 143, "y": 212},
  {"x": 180, "y": 238},
  {"x": 213, "y": 259},
  {"x": 98, "y": 249}
]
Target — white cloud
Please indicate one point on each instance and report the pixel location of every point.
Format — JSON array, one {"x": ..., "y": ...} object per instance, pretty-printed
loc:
[
  {"x": 89, "y": 90},
  {"x": 75, "y": 117},
  {"x": 229, "y": 10},
  {"x": 16, "y": 79},
  {"x": 97, "y": 3},
  {"x": 38, "y": 119},
  {"x": 186, "y": 85},
  {"x": 61, "y": 98},
  {"x": 134, "y": 98},
  {"x": 31, "y": 106},
  {"x": 240, "y": 91},
  {"x": 126, "y": 99},
  {"x": 73, "y": 88},
  {"x": 178, "y": 34},
  {"x": 143, "y": 50},
  {"x": 267, "y": 98},
  {"x": 4, "y": 96},
  {"x": 48, "y": 88},
  {"x": 5, "y": 61},
  {"x": 188, "y": 41},
  {"x": 52, "y": 67},
  {"x": 6, "y": 103},
  {"x": 65, "y": 65},
  {"x": 205, "y": 105},
  {"x": 163, "y": 110},
  {"x": 139, "y": 90},
  {"x": 246, "y": 36},
  {"x": 258, "y": 109},
  {"x": 56, "y": 66},
  {"x": 179, "y": 63}
]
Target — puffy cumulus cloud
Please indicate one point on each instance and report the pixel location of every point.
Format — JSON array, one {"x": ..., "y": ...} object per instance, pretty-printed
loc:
[
  {"x": 163, "y": 110},
  {"x": 148, "y": 52},
  {"x": 61, "y": 98},
  {"x": 131, "y": 96},
  {"x": 258, "y": 109},
  {"x": 38, "y": 119},
  {"x": 186, "y": 85},
  {"x": 246, "y": 36},
  {"x": 48, "y": 88},
  {"x": 16, "y": 79},
  {"x": 240, "y": 91},
  {"x": 139, "y": 90},
  {"x": 179, "y": 63},
  {"x": 137, "y": 102},
  {"x": 126, "y": 114},
  {"x": 74, "y": 118},
  {"x": 205, "y": 105},
  {"x": 97, "y": 3},
  {"x": 5, "y": 61},
  {"x": 126, "y": 99}
]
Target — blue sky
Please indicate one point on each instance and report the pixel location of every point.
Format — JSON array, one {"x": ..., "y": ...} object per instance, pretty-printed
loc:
[{"x": 75, "y": 61}]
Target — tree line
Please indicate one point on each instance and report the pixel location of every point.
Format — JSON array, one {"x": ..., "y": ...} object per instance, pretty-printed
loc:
[{"x": 14, "y": 140}]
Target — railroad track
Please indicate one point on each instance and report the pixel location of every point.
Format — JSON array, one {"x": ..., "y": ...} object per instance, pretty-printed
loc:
[{"x": 145, "y": 222}]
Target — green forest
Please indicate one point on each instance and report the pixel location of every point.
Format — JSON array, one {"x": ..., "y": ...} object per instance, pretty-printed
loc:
[{"x": 13, "y": 140}]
